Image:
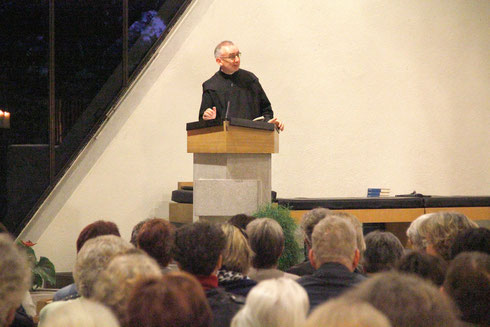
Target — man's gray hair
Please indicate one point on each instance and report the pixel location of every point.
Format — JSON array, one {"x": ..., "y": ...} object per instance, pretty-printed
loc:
[
  {"x": 217, "y": 50},
  {"x": 93, "y": 257},
  {"x": 15, "y": 276},
  {"x": 309, "y": 221},
  {"x": 334, "y": 240}
]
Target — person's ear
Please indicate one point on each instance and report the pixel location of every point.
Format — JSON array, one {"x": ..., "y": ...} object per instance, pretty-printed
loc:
[
  {"x": 219, "y": 61},
  {"x": 357, "y": 257},
  {"x": 311, "y": 256}
]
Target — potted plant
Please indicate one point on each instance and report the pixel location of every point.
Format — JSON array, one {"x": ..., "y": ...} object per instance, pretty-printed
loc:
[{"x": 43, "y": 271}]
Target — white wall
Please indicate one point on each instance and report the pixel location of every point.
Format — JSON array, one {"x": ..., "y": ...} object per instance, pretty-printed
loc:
[{"x": 373, "y": 93}]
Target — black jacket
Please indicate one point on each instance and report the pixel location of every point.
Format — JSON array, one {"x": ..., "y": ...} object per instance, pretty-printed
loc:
[
  {"x": 328, "y": 281},
  {"x": 244, "y": 92},
  {"x": 224, "y": 306}
]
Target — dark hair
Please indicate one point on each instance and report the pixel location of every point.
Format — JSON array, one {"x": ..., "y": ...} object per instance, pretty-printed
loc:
[
  {"x": 98, "y": 228},
  {"x": 468, "y": 283},
  {"x": 406, "y": 300},
  {"x": 156, "y": 238},
  {"x": 424, "y": 265},
  {"x": 135, "y": 231},
  {"x": 383, "y": 249},
  {"x": 266, "y": 239},
  {"x": 175, "y": 300},
  {"x": 241, "y": 221},
  {"x": 473, "y": 239},
  {"x": 197, "y": 247}
]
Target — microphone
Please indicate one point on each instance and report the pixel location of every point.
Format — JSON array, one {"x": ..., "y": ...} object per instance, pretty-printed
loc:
[{"x": 227, "y": 110}]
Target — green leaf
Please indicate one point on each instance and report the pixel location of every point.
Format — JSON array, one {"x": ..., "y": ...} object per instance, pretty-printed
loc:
[{"x": 46, "y": 270}]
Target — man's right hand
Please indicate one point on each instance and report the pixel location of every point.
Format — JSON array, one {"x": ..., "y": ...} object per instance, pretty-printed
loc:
[{"x": 209, "y": 114}]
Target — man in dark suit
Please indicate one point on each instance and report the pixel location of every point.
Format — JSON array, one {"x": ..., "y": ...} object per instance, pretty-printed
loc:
[{"x": 335, "y": 256}]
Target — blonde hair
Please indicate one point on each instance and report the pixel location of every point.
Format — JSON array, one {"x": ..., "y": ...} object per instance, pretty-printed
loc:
[
  {"x": 343, "y": 313},
  {"x": 237, "y": 253},
  {"x": 416, "y": 240},
  {"x": 274, "y": 303},
  {"x": 440, "y": 230}
]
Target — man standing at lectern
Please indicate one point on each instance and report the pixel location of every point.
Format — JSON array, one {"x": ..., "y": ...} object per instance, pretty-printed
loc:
[{"x": 234, "y": 92}]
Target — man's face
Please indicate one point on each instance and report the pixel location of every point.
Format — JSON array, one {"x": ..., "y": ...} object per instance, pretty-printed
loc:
[{"x": 229, "y": 61}]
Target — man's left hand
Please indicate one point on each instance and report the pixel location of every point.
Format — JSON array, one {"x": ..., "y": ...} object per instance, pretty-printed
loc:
[{"x": 278, "y": 123}]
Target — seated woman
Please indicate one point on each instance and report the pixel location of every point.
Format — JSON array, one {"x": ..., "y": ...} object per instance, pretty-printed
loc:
[
  {"x": 267, "y": 242},
  {"x": 175, "y": 300},
  {"x": 274, "y": 303},
  {"x": 236, "y": 262}
]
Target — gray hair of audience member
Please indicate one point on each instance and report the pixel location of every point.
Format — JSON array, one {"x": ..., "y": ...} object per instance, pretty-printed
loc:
[
  {"x": 274, "y": 303},
  {"x": 15, "y": 278},
  {"x": 416, "y": 240},
  {"x": 116, "y": 282},
  {"x": 309, "y": 221},
  {"x": 217, "y": 50},
  {"x": 334, "y": 240},
  {"x": 440, "y": 230},
  {"x": 361, "y": 243},
  {"x": 266, "y": 239},
  {"x": 135, "y": 232},
  {"x": 81, "y": 313},
  {"x": 93, "y": 257},
  {"x": 237, "y": 254},
  {"x": 383, "y": 250},
  {"x": 406, "y": 300},
  {"x": 341, "y": 312},
  {"x": 468, "y": 284}
]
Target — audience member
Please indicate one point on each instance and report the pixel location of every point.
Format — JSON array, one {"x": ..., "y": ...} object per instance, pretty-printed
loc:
[
  {"x": 308, "y": 222},
  {"x": 383, "y": 249},
  {"x": 94, "y": 256},
  {"x": 335, "y": 256},
  {"x": 342, "y": 313},
  {"x": 440, "y": 230},
  {"x": 15, "y": 279},
  {"x": 473, "y": 239},
  {"x": 274, "y": 303},
  {"x": 156, "y": 238},
  {"x": 468, "y": 284},
  {"x": 198, "y": 249},
  {"x": 241, "y": 221},
  {"x": 267, "y": 242},
  {"x": 424, "y": 265},
  {"x": 83, "y": 313},
  {"x": 236, "y": 262},
  {"x": 175, "y": 300},
  {"x": 91, "y": 231},
  {"x": 415, "y": 240},
  {"x": 116, "y": 282},
  {"x": 135, "y": 231},
  {"x": 406, "y": 300}
]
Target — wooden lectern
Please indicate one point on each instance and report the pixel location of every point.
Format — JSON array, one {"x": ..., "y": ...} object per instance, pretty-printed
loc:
[{"x": 232, "y": 166}]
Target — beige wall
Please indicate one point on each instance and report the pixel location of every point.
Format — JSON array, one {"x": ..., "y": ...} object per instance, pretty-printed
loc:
[{"x": 373, "y": 93}]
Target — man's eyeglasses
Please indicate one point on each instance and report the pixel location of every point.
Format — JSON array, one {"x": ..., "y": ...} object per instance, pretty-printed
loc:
[{"x": 233, "y": 56}]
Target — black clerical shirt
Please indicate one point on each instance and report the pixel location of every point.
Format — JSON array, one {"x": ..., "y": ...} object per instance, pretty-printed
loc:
[{"x": 244, "y": 92}]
